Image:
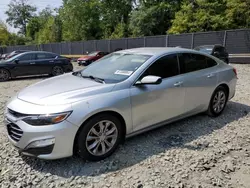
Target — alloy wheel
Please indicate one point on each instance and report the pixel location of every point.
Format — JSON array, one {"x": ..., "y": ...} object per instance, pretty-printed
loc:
[
  {"x": 101, "y": 138},
  {"x": 219, "y": 101}
]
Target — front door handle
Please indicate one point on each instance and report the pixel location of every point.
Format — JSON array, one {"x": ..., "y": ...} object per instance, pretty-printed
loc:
[
  {"x": 51, "y": 61},
  {"x": 178, "y": 84},
  {"x": 32, "y": 63},
  {"x": 210, "y": 75}
]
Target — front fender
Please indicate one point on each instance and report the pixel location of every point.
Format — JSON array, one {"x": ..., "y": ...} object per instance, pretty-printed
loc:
[{"x": 116, "y": 101}]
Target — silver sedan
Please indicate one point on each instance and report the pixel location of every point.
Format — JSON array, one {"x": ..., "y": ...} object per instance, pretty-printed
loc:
[{"x": 90, "y": 112}]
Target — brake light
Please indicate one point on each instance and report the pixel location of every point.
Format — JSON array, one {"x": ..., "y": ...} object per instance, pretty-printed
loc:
[{"x": 235, "y": 72}]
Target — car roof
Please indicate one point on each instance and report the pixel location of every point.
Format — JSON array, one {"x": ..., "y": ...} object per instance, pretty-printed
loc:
[
  {"x": 38, "y": 52},
  {"x": 210, "y": 46},
  {"x": 155, "y": 50}
]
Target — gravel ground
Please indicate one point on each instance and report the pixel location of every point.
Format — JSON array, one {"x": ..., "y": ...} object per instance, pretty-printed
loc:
[{"x": 196, "y": 152}]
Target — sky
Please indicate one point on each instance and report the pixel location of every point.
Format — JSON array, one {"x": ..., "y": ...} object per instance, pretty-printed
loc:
[{"x": 40, "y": 4}]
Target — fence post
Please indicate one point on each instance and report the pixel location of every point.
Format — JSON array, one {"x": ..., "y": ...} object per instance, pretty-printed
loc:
[
  {"x": 225, "y": 39},
  {"x": 144, "y": 41},
  {"x": 95, "y": 45},
  {"x": 69, "y": 44},
  {"x": 126, "y": 40},
  {"x": 50, "y": 47},
  {"x": 166, "y": 40},
  {"x": 60, "y": 48},
  {"x": 192, "y": 42},
  {"x": 109, "y": 45},
  {"x": 83, "y": 49}
]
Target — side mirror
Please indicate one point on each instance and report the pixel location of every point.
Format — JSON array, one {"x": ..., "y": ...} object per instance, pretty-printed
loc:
[
  {"x": 16, "y": 61},
  {"x": 153, "y": 80}
]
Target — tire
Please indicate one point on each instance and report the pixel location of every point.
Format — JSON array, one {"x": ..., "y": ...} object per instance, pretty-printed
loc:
[
  {"x": 93, "y": 148},
  {"x": 57, "y": 70},
  {"x": 215, "y": 107},
  {"x": 4, "y": 75}
]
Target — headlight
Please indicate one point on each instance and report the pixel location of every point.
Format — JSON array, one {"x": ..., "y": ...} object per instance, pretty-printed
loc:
[{"x": 48, "y": 119}]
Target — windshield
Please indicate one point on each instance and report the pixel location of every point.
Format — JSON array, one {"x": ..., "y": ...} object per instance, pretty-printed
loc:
[
  {"x": 115, "y": 67},
  {"x": 14, "y": 57},
  {"x": 93, "y": 54}
]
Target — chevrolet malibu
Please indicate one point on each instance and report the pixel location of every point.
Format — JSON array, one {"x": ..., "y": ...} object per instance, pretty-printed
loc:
[{"x": 90, "y": 112}]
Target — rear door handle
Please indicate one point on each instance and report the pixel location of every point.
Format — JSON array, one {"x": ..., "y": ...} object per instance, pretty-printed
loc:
[
  {"x": 51, "y": 61},
  {"x": 210, "y": 75},
  {"x": 32, "y": 63},
  {"x": 178, "y": 84}
]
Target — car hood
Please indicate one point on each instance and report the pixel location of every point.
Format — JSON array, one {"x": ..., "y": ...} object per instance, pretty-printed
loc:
[
  {"x": 84, "y": 58},
  {"x": 63, "y": 89}
]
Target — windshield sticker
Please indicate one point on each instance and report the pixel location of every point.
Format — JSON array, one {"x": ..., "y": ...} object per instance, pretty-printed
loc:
[{"x": 124, "y": 72}]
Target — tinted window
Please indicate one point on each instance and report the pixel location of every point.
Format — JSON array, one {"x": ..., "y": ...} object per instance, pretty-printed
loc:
[
  {"x": 192, "y": 62},
  {"x": 211, "y": 62},
  {"x": 45, "y": 56},
  {"x": 165, "y": 67},
  {"x": 220, "y": 49},
  {"x": 27, "y": 57}
]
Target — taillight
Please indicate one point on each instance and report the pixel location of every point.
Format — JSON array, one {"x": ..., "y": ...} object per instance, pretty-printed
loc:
[{"x": 235, "y": 72}]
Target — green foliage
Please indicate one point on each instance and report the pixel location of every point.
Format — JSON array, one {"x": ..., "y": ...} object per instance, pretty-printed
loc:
[
  {"x": 4, "y": 34},
  {"x": 203, "y": 15},
  {"x": 79, "y": 20},
  {"x": 51, "y": 31},
  {"x": 152, "y": 17},
  {"x": 19, "y": 14}
]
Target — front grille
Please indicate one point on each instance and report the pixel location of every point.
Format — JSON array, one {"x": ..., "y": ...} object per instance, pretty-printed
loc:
[
  {"x": 14, "y": 131},
  {"x": 16, "y": 114}
]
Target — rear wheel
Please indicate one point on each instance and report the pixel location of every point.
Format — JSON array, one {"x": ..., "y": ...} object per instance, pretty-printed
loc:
[
  {"x": 4, "y": 75},
  {"x": 57, "y": 70},
  {"x": 218, "y": 101},
  {"x": 99, "y": 137}
]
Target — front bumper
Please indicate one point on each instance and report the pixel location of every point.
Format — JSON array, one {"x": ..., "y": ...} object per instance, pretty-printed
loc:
[{"x": 21, "y": 135}]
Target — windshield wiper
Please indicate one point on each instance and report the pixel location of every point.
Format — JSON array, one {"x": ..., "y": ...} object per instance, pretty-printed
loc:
[{"x": 100, "y": 80}]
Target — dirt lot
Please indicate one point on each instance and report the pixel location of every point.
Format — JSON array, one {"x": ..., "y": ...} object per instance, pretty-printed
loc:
[{"x": 196, "y": 152}]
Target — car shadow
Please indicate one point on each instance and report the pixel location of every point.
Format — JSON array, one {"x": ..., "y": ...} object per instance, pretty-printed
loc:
[{"x": 141, "y": 147}]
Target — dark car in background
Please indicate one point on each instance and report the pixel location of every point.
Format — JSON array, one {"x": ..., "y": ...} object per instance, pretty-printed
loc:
[
  {"x": 34, "y": 63},
  {"x": 14, "y": 53},
  {"x": 217, "y": 50},
  {"x": 91, "y": 57}
]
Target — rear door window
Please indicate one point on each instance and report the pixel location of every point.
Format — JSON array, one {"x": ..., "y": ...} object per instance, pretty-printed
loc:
[{"x": 192, "y": 62}]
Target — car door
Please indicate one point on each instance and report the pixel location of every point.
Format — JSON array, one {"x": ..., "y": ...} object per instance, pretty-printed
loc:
[
  {"x": 26, "y": 65},
  {"x": 45, "y": 61},
  {"x": 153, "y": 104},
  {"x": 200, "y": 80}
]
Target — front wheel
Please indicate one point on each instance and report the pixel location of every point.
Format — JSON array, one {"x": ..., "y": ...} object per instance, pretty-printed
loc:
[
  {"x": 99, "y": 137},
  {"x": 218, "y": 102}
]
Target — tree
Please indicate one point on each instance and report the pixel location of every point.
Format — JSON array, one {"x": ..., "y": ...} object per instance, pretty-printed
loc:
[
  {"x": 4, "y": 34},
  {"x": 19, "y": 14},
  {"x": 115, "y": 17},
  {"x": 80, "y": 20},
  {"x": 153, "y": 17},
  {"x": 238, "y": 14},
  {"x": 200, "y": 15},
  {"x": 38, "y": 23}
]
